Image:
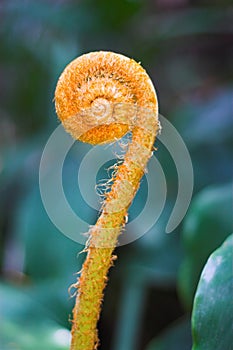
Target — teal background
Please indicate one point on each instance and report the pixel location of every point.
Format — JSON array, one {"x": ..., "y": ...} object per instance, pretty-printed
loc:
[{"x": 186, "y": 48}]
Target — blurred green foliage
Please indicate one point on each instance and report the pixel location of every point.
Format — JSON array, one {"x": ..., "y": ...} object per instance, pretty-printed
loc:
[
  {"x": 212, "y": 316},
  {"x": 177, "y": 336},
  {"x": 207, "y": 224},
  {"x": 186, "y": 49},
  {"x": 26, "y": 325}
]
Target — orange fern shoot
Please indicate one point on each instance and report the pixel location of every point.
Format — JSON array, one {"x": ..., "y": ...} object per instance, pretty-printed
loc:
[{"x": 99, "y": 97}]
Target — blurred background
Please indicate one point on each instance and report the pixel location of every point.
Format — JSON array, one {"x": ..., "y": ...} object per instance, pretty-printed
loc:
[{"x": 187, "y": 49}]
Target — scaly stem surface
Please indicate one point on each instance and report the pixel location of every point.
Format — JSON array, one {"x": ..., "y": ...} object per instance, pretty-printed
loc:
[
  {"x": 99, "y": 97},
  {"x": 104, "y": 234}
]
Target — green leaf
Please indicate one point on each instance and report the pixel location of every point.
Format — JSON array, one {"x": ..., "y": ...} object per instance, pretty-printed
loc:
[
  {"x": 206, "y": 226},
  {"x": 212, "y": 316}
]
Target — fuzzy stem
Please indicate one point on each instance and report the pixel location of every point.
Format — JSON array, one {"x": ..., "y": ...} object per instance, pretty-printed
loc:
[
  {"x": 99, "y": 97},
  {"x": 104, "y": 234}
]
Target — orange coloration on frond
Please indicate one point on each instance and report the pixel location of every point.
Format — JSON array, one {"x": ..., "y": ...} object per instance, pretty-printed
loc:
[
  {"x": 89, "y": 89},
  {"x": 99, "y": 97}
]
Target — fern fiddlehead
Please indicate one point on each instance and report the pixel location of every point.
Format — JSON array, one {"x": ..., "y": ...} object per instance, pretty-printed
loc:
[{"x": 99, "y": 97}]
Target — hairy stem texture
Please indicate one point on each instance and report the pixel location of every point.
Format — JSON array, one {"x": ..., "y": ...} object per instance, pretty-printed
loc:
[{"x": 99, "y": 98}]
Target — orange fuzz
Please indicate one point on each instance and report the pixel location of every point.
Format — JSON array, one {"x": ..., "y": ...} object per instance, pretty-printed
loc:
[
  {"x": 99, "y": 97},
  {"x": 90, "y": 88}
]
